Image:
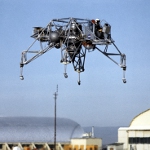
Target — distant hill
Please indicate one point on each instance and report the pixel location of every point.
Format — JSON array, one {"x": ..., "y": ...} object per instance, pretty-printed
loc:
[{"x": 107, "y": 134}]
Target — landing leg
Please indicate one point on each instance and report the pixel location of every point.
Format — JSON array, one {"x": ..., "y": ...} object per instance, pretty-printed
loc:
[
  {"x": 65, "y": 74},
  {"x": 124, "y": 79},
  {"x": 79, "y": 82},
  {"x": 21, "y": 71}
]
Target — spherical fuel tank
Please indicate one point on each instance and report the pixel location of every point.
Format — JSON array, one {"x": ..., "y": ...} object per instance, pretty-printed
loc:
[
  {"x": 54, "y": 36},
  {"x": 73, "y": 26}
]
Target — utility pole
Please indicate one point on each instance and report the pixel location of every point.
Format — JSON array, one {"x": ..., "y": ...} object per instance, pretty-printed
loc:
[{"x": 55, "y": 98}]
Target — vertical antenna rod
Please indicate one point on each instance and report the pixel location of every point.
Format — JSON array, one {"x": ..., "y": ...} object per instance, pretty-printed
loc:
[{"x": 55, "y": 97}]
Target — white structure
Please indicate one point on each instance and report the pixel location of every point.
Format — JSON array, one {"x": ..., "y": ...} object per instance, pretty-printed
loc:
[
  {"x": 115, "y": 146},
  {"x": 86, "y": 144},
  {"x": 137, "y": 135}
]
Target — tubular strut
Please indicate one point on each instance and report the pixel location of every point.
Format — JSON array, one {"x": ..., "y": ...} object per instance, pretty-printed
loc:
[
  {"x": 24, "y": 60},
  {"x": 122, "y": 59}
]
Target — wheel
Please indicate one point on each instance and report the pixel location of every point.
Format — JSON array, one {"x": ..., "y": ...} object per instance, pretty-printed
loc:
[
  {"x": 65, "y": 75},
  {"x": 21, "y": 77},
  {"x": 124, "y": 80}
]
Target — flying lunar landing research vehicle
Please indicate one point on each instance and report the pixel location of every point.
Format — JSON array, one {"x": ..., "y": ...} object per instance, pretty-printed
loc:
[{"x": 74, "y": 37}]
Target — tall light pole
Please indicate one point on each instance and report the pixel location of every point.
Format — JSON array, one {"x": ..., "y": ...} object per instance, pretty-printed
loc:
[{"x": 55, "y": 98}]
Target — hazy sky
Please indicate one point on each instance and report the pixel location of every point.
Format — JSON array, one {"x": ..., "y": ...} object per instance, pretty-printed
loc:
[{"x": 101, "y": 99}]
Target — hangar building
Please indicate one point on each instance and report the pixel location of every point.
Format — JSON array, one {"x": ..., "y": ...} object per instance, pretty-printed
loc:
[
  {"x": 37, "y": 133},
  {"x": 137, "y": 135}
]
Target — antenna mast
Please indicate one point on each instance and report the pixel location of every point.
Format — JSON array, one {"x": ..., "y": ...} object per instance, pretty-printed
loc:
[{"x": 55, "y": 98}]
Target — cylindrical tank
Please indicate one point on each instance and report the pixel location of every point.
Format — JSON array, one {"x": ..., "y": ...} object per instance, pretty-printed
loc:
[{"x": 106, "y": 28}]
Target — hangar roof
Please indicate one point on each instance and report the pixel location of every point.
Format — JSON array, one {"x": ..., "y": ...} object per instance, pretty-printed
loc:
[
  {"x": 143, "y": 119},
  {"x": 38, "y": 129}
]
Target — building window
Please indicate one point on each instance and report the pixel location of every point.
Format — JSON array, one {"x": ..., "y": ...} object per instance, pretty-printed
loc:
[
  {"x": 145, "y": 140},
  {"x": 130, "y": 140},
  {"x": 148, "y": 140},
  {"x": 139, "y": 140}
]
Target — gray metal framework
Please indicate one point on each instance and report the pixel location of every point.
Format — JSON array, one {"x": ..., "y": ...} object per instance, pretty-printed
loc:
[{"x": 74, "y": 37}]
